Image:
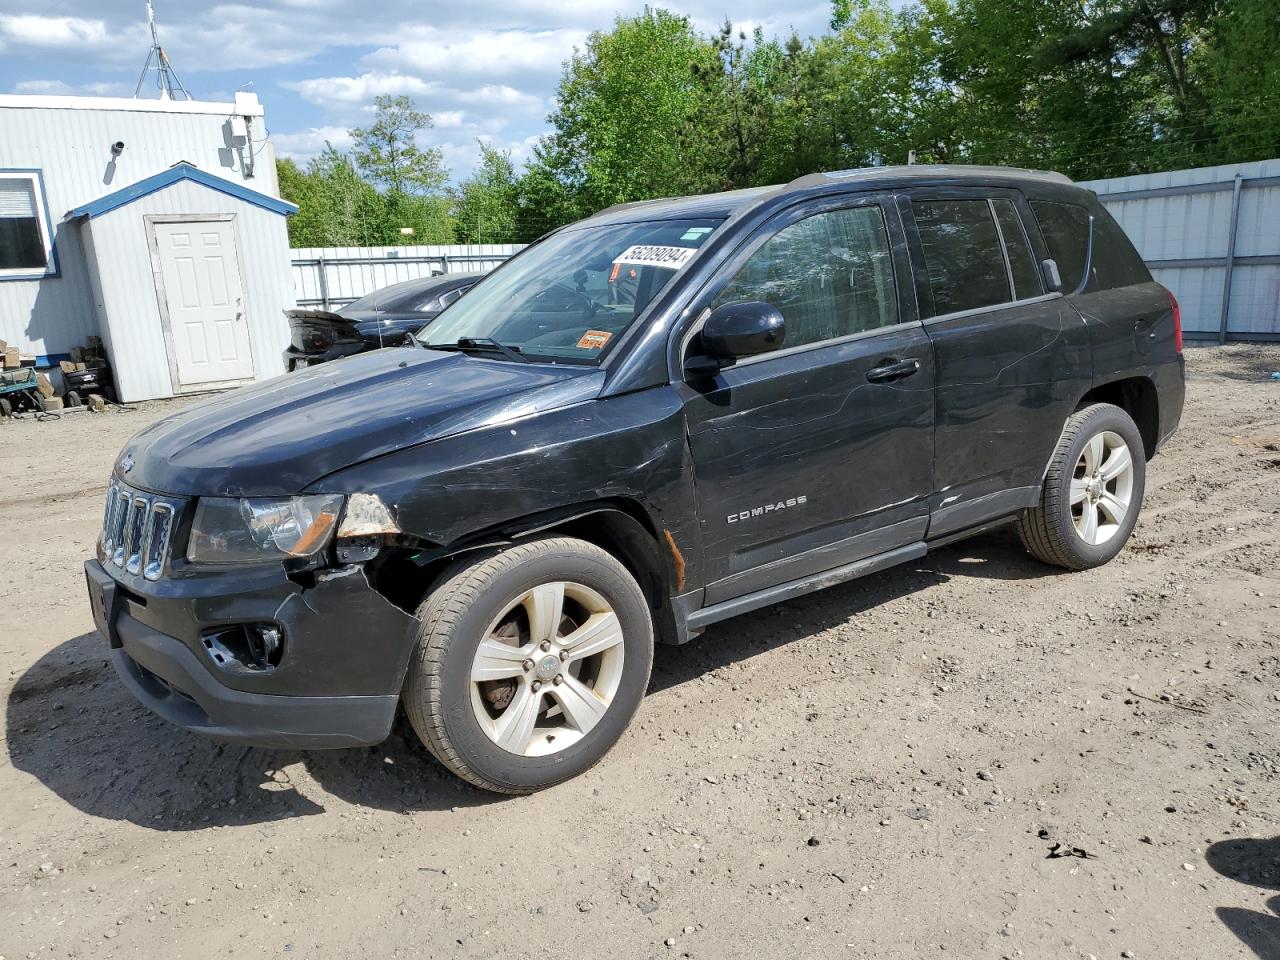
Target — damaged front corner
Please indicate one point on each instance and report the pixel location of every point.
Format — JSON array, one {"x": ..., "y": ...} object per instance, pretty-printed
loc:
[{"x": 344, "y": 603}]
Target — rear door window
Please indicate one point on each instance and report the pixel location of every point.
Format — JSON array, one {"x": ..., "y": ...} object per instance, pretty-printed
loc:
[
  {"x": 962, "y": 254},
  {"x": 830, "y": 275},
  {"x": 1022, "y": 264}
]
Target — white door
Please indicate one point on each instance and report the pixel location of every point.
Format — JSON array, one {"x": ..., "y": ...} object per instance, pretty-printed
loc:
[{"x": 209, "y": 334}]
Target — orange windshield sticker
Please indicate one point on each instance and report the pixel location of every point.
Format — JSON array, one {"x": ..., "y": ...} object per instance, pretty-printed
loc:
[
  {"x": 594, "y": 339},
  {"x": 613, "y": 274}
]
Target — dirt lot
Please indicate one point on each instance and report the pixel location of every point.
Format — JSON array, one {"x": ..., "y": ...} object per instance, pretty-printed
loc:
[{"x": 879, "y": 771}]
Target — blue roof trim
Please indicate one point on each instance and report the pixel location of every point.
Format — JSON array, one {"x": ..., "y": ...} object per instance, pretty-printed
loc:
[{"x": 175, "y": 174}]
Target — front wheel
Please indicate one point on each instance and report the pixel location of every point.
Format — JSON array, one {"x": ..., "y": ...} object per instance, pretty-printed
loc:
[
  {"x": 531, "y": 662},
  {"x": 1092, "y": 491}
]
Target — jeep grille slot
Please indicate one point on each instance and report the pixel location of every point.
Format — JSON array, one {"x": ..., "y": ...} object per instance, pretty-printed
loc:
[{"x": 137, "y": 530}]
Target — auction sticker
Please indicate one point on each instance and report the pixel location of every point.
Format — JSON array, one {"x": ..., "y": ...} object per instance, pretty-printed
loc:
[
  {"x": 673, "y": 258},
  {"x": 594, "y": 339}
]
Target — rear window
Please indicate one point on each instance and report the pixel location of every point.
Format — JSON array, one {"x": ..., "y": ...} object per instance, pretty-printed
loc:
[
  {"x": 962, "y": 254},
  {"x": 1115, "y": 263}
]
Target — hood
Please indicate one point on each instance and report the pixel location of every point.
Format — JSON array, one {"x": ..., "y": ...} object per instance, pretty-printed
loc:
[{"x": 278, "y": 437}]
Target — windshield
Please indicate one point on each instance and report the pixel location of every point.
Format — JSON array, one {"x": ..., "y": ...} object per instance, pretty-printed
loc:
[{"x": 570, "y": 296}]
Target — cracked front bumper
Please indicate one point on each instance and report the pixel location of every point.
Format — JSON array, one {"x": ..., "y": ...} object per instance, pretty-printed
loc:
[{"x": 346, "y": 649}]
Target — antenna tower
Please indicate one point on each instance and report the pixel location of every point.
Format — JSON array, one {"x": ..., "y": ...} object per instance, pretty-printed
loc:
[{"x": 167, "y": 81}]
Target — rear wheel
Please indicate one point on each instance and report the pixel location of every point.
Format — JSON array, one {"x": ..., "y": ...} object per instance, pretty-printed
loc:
[
  {"x": 1092, "y": 491},
  {"x": 531, "y": 662},
  {"x": 6, "y": 408},
  {"x": 72, "y": 399}
]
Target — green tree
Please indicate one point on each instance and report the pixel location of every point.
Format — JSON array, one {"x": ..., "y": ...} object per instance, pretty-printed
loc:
[
  {"x": 336, "y": 206},
  {"x": 621, "y": 105},
  {"x": 487, "y": 203},
  {"x": 387, "y": 150}
]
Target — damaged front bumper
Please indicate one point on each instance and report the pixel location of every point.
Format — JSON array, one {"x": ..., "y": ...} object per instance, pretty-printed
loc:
[{"x": 336, "y": 681}]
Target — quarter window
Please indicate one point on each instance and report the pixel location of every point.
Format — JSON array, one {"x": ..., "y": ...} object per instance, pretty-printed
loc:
[
  {"x": 1065, "y": 227},
  {"x": 1115, "y": 261},
  {"x": 962, "y": 254},
  {"x": 830, "y": 275},
  {"x": 24, "y": 234}
]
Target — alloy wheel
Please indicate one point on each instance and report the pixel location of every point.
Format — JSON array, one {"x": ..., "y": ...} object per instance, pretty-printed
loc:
[
  {"x": 1102, "y": 488},
  {"x": 547, "y": 669}
]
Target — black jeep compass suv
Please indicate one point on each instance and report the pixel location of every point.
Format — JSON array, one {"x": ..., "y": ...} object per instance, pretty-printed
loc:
[{"x": 674, "y": 412}]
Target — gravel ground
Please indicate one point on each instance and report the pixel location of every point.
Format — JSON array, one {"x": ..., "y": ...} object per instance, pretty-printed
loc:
[{"x": 881, "y": 770}]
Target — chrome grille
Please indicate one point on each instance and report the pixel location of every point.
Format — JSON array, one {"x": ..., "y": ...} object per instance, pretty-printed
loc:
[{"x": 137, "y": 530}]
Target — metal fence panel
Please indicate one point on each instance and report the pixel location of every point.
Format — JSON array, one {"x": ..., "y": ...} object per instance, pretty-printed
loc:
[
  {"x": 1212, "y": 236},
  {"x": 327, "y": 277}
]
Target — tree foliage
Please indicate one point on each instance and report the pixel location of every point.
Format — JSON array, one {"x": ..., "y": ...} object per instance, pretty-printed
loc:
[{"x": 653, "y": 107}]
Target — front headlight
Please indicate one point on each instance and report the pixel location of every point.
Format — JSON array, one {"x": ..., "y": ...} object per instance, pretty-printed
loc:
[{"x": 262, "y": 528}]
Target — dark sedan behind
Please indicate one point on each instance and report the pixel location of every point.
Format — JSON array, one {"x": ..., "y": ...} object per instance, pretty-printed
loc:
[{"x": 384, "y": 318}]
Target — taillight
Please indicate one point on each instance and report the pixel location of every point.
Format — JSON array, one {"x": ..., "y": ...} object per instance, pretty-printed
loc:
[{"x": 1177, "y": 321}]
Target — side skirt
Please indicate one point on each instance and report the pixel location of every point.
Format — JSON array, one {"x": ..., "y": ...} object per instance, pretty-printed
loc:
[
  {"x": 700, "y": 619},
  {"x": 690, "y": 624}
]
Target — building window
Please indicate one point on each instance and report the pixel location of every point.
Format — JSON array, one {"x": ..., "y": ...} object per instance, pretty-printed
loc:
[{"x": 26, "y": 238}]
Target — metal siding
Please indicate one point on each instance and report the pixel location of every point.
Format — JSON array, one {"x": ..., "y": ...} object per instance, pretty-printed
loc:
[
  {"x": 132, "y": 329},
  {"x": 72, "y": 149},
  {"x": 1197, "y": 225}
]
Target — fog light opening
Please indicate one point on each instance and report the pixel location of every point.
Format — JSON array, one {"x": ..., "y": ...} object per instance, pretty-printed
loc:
[{"x": 244, "y": 647}]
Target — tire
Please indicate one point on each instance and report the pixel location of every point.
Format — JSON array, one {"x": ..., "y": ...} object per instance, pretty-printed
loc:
[
  {"x": 6, "y": 408},
  {"x": 1057, "y": 530},
  {"x": 72, "y": 399},
  {"x": 494, "y": 597}
]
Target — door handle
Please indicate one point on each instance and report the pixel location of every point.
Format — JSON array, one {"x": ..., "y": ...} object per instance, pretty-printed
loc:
[{"x": 892, "y": 369}]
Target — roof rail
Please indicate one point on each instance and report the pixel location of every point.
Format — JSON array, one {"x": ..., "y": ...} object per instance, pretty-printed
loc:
[{"x": 942, "y": 169}]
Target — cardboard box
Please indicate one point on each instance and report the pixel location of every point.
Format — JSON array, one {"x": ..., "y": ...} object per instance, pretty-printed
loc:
[
  {"x": 11, "y": 358},
  {"x": 52, "y": 403},
  {"x": 44, "y": 385},
  {"x": 97, "y": 403},
  {"x": 67, "y": 366}
]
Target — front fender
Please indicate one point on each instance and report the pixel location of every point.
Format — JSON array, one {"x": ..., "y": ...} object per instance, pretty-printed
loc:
[{"x": 463, "y": 488}]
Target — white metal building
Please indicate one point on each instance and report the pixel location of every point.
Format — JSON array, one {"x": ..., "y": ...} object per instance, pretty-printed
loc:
[
  {"x": 1212, "y": 236},
  {"x": 154, "y": 224}
]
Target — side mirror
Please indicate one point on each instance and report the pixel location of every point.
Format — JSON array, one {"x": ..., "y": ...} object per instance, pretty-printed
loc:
[
  {"x": 743, "y": 330},
  {"x": 1052, "y": 278}
]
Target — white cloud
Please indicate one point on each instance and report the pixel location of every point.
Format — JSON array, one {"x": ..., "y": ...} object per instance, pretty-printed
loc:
[
  {"x": 499, "y": 94},
  {"x": 462, "y": 51},
  {"x": 39, "y": 31},
  {"x": 62, "y": 89},
  {"x": 302, "y": 145},
  {"x": 357, "y": 91},
  {"x": 448, "y": 119}
]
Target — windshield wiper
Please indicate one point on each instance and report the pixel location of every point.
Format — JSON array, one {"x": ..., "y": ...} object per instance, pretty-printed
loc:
[{"x": 482, "y": 345}]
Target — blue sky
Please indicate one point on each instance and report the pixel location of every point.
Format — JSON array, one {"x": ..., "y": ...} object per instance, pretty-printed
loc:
[{"x": 483, "y": 69}]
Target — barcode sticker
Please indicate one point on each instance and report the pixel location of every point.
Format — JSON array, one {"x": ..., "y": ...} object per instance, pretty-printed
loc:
[{"x": 651, "y": 255}]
